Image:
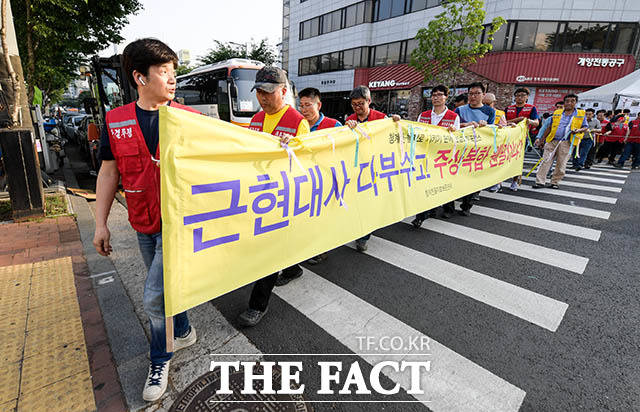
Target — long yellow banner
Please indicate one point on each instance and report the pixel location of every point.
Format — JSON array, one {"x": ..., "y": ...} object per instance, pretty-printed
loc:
[{"x": 236, "y": 206}]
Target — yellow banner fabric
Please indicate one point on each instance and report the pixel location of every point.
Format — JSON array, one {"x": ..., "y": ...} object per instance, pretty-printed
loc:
[{"x": 236, "y": 206}]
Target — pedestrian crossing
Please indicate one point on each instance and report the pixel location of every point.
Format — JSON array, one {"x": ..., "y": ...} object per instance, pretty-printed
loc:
[{"x": 456, "y": 382}]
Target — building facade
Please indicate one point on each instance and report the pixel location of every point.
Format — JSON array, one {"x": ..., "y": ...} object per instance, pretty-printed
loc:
[{"x": 553, "y": 47}]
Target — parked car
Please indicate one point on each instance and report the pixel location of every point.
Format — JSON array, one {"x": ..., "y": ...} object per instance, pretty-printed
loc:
[
  {"x": 71, "y": 125},
  {"x": 81, "y": 133}
]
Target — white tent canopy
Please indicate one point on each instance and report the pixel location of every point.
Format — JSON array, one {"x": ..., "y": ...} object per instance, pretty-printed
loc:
[{"x": 627, "y": 87}]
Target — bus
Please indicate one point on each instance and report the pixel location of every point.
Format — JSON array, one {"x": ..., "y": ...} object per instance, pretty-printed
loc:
[{"x": 223, "y": 90}]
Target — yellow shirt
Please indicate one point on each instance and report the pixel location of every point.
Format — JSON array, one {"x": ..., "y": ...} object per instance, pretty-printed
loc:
[{"x": 271, "y": 121}]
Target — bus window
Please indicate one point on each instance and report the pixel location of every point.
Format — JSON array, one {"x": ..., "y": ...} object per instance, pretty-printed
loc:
[
  {"x": 245, "y": 104},
  {"x": 223, "y": 101}
]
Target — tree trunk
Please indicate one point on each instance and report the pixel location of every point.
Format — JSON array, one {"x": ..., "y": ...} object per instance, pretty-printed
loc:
[
  {"x": 31, "y": 57},
  {"x": 7, "y": 61}
]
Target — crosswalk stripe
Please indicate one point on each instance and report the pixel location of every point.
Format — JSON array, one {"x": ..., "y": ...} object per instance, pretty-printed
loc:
[
  {"x": 552, "y": 257},
  {"x": 566, "y": 193},
  {"x": 608, "y": 172},
  {"x": 576, "y": 210},
  {"x": 582, "y": 185},
  {"x": 545, "y": 224},
  {"x": 525, "y": 304},
  {"x": 453, "y": 383},
  {"x": 620, "y": 181}
]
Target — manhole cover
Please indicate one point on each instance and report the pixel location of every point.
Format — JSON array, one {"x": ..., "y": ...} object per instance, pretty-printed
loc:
[{"x": 201, "y": 396}]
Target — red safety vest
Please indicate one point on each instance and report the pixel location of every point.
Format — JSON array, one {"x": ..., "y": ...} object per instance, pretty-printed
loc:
[
  {"x": 287, "y": 126},
  {"x": 512, "y": 113},
  {"x": 327, "y": 123},
  {"x": 603, "y": 124},
  {"x": 634, "y": 133},
  {"x": 140, "y": 173},
  {"x": 373, "y": 115},
  {"x": 617, "y": 134},
  {"x": 447, "y": 120}
]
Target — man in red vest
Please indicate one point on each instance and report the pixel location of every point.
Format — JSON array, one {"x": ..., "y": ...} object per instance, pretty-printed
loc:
[
  {"x": 129, "y": 149},
  {"x": 281, "y": 120},
  {"x": 310, "y": 105},
  {"x": 519, "y": 112},
  {"x": 438, "y": 116},
  {"x": 632, "y": 145},
  {"x": 360, "y": 101}
]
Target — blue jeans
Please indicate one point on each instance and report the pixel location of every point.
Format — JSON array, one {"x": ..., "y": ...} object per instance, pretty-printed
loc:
[
  {"x": 631, "y": 148},
  {"x": 583, "y": 151},
  {"x": 153, "y": 298}
]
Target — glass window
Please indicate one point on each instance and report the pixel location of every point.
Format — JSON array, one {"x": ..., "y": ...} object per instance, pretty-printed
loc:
[
  {"x": 525, "y": 35},
  {"x": 315, "y": 26},
  {"x": 397, "y": 8},
  {"x": 411, "y": 46},
  {"x": 351, "y": 14},
  {"x": 334, "y": 58},
  {"x": 303, "y": 67},
  {"x": 325, "y": 63},
  {"x": 594, "y": 37},
  {"x": 393, "y": 53},
  {"x": 499, "y": 38},
  {"x": 624, "y": 37},
  {"x": 545, "y": 36},
  {"x": 331, "y": 21},
  {"x": 351, "y": 58},
  {"x": 313, "y": 65},
  {"x": 418, "y": 5},
  {"x": 380, "y": 55},
  {"x": 433, "y": 3},
  {"x": 304, "y": 28},
  {"x": 574, "y": 36},
  {"x": 382, "y": 9},
  {"x": 366, "y": 9}
]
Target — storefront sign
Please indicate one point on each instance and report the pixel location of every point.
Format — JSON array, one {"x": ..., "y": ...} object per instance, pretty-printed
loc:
[
  {"x": 600, "y": 62},
  {"x": 386, "y": 83},
  {"x": 327, "y": 82},
  {"x": 523, "y": 79},
  {"x": 545, "y": 98}
]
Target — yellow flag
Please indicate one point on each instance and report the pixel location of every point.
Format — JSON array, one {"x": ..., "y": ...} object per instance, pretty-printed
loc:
[{"x": 236, "y": 206}]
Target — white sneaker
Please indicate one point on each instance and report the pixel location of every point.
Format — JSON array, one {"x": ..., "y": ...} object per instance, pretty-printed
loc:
[
  {"x": 156, "y": 383},
  {"x": 186, "y": 341},
  {"x": 514, "y": 186}
]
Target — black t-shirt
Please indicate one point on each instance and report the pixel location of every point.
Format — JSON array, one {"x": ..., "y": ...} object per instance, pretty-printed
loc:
[{"x": 148, "y": 122}]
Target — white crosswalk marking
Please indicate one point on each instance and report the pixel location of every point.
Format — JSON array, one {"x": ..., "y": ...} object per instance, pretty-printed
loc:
[
  {"x": 619, "y": 181},
  {"x": 565, "y": 182},
  {"x": 530, "y": 306},
  {"x": 552, "y": 257},
  {"x": 608, "y": 172},
  {"x": 454, "y": 382},
  {"x": 566, "y": 193},
  {"x": 578, "y": 210},
  {"x": 545, "y": 224}
]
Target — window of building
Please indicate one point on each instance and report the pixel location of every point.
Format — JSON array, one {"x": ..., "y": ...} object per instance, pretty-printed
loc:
[
  {"x": 331, "y": 21},
  {"x": 351, "y": 15},
  {"x": 525, "y": 35},
  {"x": 545, "y": 36},
  {"x": 352, "y": 58},
  {"x": 417, "y": 5},
  {"x": 595, "y": 37},
  {"x": 574, "y": 37},
  {"x": 499, "y": 37},
  {"x": 385, "y": 9},
  {"x": 309, "y": 28},
  {"x": 624, "y": 37},
  {"x": 409, "y": 48}
]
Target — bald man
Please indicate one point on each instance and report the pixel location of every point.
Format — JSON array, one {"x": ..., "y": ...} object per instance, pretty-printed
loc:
[{"x": 490, "y": 100}]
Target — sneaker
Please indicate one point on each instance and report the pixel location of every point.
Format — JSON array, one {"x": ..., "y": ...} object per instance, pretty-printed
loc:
[
  {"x": 577, "y": 168},
  {"x": 250, "y": 317},
  {"x": 361, "y": 245},
  {"x": 181, "y": 342},
  {"x": 417, "y": 223},
  {"x": 288, "y": 275},
  {"x": 587, "y": 167},
  {"x": 464, "y": 212},
  {"x": 156, "y": 383},
  {"x": 514, "y": 186},
  {"x": 317, "y": 259},
  {"x": 537, "y": 186},
  {"x": 554, "y": 186},
  {"x": 617, "y": 166},
  {"x": 495, "y": 188}
]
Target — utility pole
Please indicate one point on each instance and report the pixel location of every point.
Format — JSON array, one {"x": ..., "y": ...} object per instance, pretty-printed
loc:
[{"x": 20, "y": 160}]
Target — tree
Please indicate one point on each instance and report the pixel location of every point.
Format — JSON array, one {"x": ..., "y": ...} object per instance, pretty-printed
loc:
[
  {"x": 450, "y": 42},
  {"x": 183, "y": 69},
  {"x": 56, "y": 36},
  {"x": 260, "y": 51}
]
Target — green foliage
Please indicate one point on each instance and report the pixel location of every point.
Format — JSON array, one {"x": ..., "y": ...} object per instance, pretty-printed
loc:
[
  {"x": 450, "y": 42},
  {"x": 55, "y": 36},
  {"x": 183, "y": 69},
  {"x": 260, "y": 51}
]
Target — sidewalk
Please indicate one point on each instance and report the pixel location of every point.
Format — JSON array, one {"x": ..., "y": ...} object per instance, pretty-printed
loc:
[{"x": 55, "y": 355}]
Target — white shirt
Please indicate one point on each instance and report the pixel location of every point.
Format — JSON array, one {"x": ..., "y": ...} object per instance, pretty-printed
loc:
[{"x": 435, "y": 118}]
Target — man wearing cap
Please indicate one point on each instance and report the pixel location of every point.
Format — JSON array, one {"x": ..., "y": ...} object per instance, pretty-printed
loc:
[{"x": 282, "y": 120}]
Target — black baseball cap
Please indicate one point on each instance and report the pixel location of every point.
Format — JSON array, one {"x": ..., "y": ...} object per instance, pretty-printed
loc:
[{"x": 269, "y": 78}]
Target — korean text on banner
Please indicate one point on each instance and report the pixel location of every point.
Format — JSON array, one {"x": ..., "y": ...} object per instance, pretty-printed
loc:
[{"x": 236, "y": 206}]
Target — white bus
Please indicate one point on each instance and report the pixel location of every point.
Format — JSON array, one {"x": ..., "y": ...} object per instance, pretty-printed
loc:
[{"x": 223, "y": 90}]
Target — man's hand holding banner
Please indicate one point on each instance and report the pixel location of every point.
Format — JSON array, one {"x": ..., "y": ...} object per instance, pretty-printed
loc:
[{"x": 237, "y": 206}]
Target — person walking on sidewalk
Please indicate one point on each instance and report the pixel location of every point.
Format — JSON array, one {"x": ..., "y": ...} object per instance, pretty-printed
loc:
[
  {"x": 566, "y": 130},
  {"x": 283, "y": 121},
  {"x": 129, "y": 149},
  {"x": 632, "y": 145},
  {"x": 438, "y": 116},
  {"x": 588, "y": 140},
  {"x": 518, "y": 112},
  {"x": 360, "y": 101},
  {"x": 310, "y": 106}
]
